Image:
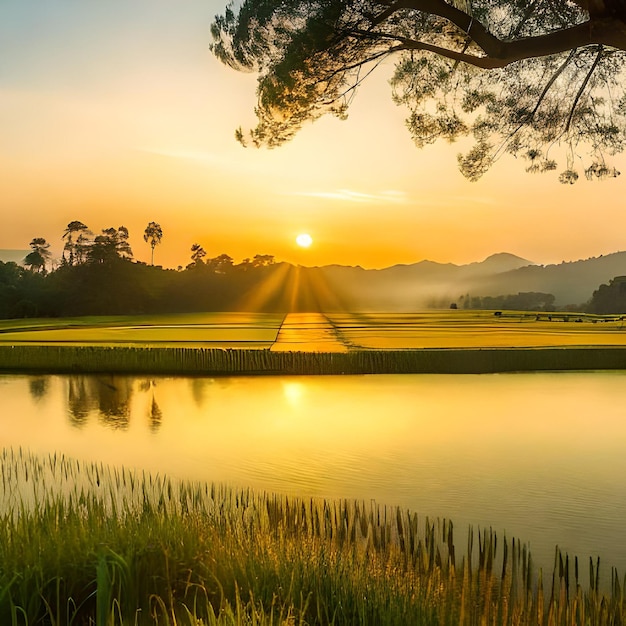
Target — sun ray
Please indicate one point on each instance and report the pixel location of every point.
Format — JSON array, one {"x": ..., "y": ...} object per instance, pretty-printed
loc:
[
  {"x": 269, "y": 292},
  {"x": 294, "y": 276}
]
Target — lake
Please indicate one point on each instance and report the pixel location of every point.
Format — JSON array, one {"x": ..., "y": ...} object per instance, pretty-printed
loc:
[{"x": 539, "y": 456}]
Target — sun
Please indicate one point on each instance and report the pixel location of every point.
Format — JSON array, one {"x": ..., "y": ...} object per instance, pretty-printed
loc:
[{"x": 304, "y": 240}]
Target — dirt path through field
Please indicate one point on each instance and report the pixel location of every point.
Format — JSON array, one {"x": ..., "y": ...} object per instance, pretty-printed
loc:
[{"x": 307, "y": 332}]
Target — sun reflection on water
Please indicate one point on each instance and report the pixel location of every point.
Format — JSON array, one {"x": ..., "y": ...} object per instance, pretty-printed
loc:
[{"x": 294, "y": 392}]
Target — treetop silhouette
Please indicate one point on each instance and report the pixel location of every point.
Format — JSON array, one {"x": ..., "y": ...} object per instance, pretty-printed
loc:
[
  {"x": 153, "y": 235},
  {"x": 542, "y": 80}
]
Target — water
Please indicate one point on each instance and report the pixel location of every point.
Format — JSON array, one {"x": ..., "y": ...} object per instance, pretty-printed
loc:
[{"x": 538, "y": 456}]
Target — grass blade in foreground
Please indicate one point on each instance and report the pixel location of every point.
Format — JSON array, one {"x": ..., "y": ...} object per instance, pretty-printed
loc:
[{"x": 88, "y": 544}]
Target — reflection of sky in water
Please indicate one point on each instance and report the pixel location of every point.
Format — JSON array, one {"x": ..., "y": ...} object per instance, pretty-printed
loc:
[{"x": 537, "y": 455}]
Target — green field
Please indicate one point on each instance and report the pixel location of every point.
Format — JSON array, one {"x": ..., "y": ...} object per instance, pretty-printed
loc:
[
  {"x": 477, "y": 329},
  {"x": 223, "y": 330},
  {"x": 315, "y": 343},
  {"x": 380, "y": 331}
]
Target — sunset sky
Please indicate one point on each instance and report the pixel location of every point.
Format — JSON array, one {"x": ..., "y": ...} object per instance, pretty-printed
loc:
[{"x": 115, "y": 113}]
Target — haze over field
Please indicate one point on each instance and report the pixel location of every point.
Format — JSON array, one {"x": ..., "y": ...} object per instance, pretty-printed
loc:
[
  {"x": 116, "y": 113},
  {"x": 430, "y": 284}
]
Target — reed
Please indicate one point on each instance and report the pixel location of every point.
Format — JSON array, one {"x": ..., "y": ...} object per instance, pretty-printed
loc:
[
  {"x": 213, "y": 361},
  {"x": 83, "y": 543}
]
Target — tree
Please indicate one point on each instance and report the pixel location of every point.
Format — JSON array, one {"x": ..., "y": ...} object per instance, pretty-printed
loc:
[
  {"x": 542, "y": 80},
  {"x": 11, "y": 281},
  {"x": 153, "y": 235},
  {"x": 609, "y": 298},
  {"x": 111, "y": 245},
  {"x": 82, "y": 246},
  {"x": 76, "y": 249},
  {"x": 522, "y": 301},
  {"x": 197, "y": 255},
  {"x": 263, "y": 260},
  {"x": 259, "y": 260},
  {"x": 39, "y": 255},
  {"x": 221, "y": 264}
]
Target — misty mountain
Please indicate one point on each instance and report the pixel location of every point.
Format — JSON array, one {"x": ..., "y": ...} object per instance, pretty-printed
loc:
[
  {"x": 408, "y": 287},
  {"x": 570, "y": 282},
  {"x": 427, "y": 283}
]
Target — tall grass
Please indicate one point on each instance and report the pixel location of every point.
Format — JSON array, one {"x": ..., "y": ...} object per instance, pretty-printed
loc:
[
  {"x": 213, "y": 361},
  {"x": 82, "y": 543}
]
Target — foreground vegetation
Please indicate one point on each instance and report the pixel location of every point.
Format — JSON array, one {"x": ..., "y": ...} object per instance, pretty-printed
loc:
[{"x": 86, "y": 544}]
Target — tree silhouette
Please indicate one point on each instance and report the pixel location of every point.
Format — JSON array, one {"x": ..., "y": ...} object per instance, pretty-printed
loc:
[
  {"x": 263, "y": 260},
  {"x": 259, "y": 260},
  {"x": 75, "y": 248},
  {"x": 542, "y": 80},
  {"x": 153, "y": 235},
  {"x": 39, "y": 255},
  {"x": 197, "y": 255},
  {"x": 221, "y": 264},
  {"x": 111, "y": 245}
]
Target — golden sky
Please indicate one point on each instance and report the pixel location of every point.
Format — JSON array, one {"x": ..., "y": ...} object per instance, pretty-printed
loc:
[{"x": 115, "y": 113}]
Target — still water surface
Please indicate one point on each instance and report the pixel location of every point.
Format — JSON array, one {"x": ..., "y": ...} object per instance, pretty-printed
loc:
[{"x": 541, "y": 457}]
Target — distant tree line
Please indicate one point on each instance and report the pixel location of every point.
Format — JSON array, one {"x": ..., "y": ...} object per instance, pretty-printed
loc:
[
  {"x": 606, "y": 300},
  {"x": 97, "y": 275},
  {"x": 522, "y": 301},
  {"x": 609, "y": 299}
]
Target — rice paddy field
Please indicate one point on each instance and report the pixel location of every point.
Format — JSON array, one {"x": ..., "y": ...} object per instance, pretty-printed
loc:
[
  {"x": 317, "y": 332},
  {"x": 219, "y": 330},
  {"x": 82, "y": 543},
  {"x": 477, "y": 329},
  {"x": 315, "y": 343}
]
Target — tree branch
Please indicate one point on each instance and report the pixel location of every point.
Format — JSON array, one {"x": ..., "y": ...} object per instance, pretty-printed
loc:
[
  {"x": 485, "y": 63},
  {"x": 608, "y": 32},
  {"x": 551, "y": 81},
  {"x": 529, "y": 10},
  {"x": 547, "y": 87},
  {"x": 410, "y": 44},
  {"x": 489, "y": 43},
  {"x": 358, "y": 64},
  {"x": 359, "y": 81},
  {"x": 582, "y": 87},
  {"x": 383, "y": 15}
]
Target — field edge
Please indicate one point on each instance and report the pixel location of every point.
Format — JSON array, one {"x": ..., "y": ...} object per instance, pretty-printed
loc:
[{"x": 225, "y": 362}]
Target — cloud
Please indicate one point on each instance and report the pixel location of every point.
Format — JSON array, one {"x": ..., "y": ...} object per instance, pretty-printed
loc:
[{"x": 349, "y": 195}]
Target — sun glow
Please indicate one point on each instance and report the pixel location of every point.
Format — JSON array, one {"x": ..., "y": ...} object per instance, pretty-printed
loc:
[{"x": 304, "y": 240}]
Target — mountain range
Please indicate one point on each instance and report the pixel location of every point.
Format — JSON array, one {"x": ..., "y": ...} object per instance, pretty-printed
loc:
[{"x": 427, "y": 283}]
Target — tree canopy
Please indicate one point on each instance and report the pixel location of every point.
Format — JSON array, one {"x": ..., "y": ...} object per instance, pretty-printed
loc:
[
  {"x": 111, "y": 245},
  {"x": 153, "y": 235},
  {"x": 39, "y": 255},
  {"x": 540, "y": 79},
  {"x": 75, "y": 248}
]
